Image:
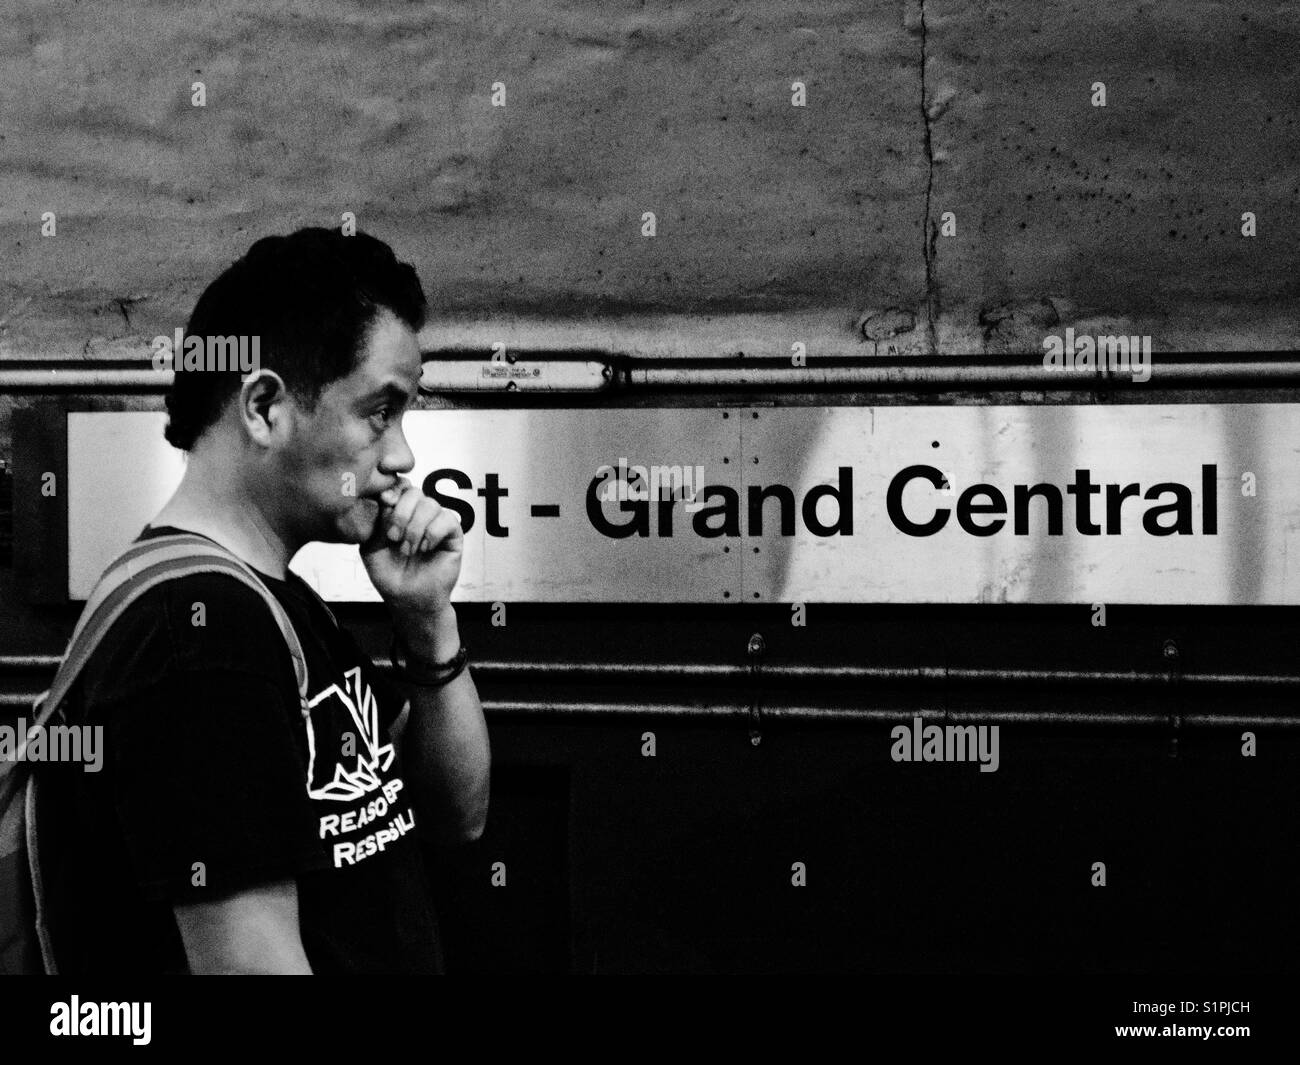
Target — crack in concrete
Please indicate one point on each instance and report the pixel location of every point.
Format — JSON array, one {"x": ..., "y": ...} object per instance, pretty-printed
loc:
[
  {"x": 124, "y": 305},
  {"x": 928, "y": 239}
]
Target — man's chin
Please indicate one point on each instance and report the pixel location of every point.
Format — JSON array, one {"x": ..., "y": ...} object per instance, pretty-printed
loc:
[{"x": 355, "y": 525}]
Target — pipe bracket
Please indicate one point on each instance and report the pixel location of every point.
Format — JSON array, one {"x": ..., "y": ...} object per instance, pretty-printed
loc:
[{"x": 757, "y": 645}]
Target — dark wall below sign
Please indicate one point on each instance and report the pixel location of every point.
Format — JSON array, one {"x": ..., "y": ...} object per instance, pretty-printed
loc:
[{"x": 682, "y": 863}]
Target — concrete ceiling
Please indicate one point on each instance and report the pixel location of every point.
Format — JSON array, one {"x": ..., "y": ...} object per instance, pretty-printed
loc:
[{"x": 1127, "y": 217}]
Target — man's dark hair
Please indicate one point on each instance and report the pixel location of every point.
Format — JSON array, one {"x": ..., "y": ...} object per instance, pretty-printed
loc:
[{"x": 310, "y": 297}]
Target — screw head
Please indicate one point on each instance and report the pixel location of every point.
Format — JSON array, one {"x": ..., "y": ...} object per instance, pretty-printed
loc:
[{"x": 1171, "y": 649}]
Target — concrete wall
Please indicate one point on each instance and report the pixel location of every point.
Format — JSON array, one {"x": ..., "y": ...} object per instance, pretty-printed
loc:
[{"x": 1127, "y": 216}]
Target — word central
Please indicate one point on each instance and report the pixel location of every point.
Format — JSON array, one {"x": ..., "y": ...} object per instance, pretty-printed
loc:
[{"x": 969, "y": 504}]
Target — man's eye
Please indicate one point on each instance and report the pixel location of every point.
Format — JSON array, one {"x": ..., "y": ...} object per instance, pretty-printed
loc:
[{"x": 380, "y": 417}]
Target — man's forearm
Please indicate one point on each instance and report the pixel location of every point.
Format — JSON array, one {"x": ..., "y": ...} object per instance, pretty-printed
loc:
[{"x": 446, "y": 747}]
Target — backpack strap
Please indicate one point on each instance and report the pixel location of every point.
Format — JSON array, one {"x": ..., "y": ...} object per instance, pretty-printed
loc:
[
  {"x": 37, "y": 879},
  {"x": 141, "y": 567}
]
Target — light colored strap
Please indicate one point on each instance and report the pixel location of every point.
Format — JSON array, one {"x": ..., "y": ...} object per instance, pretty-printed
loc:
[
  {"x": 37, "y": 879},
  {"x": 129, "y": 562},
  {"x": 172, "y": 557}
]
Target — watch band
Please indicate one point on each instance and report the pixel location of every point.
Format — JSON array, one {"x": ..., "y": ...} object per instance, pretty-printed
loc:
[{"x": 437, "y": 675}]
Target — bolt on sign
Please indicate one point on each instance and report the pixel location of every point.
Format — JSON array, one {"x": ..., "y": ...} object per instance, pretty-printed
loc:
[{"x": 1155, "y": 503}]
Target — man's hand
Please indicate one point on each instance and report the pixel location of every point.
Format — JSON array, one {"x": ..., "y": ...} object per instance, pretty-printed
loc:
[
  {"x": 413, "y": 557},
  {"x": 414, "y": 554}
]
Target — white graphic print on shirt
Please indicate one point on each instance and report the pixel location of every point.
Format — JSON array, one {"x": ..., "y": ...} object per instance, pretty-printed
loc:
[
  {"x": 348, "y": 761},
  {"x": 370, "y": 759}
]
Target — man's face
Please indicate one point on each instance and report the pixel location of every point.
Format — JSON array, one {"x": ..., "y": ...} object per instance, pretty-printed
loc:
[{"x": 351, "y": 447}]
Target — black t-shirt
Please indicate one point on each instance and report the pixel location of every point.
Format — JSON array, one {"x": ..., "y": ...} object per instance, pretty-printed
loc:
[{"x": 213, "y": 781}]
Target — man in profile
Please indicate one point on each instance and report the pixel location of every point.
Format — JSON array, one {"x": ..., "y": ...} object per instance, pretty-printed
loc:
[{"x": 232, "y": 829}]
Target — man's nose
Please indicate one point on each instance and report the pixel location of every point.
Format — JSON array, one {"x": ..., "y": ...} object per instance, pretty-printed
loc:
[{"x": 398, "y": 457}]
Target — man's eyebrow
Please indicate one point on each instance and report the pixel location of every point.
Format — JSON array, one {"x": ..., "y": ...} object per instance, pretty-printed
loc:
[{"x": 388, "y": 390}]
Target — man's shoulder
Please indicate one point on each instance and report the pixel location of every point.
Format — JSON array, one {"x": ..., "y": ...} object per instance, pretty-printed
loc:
[
  {"x": 201, "y": 621},
  {"x": 204, "y": 598}
]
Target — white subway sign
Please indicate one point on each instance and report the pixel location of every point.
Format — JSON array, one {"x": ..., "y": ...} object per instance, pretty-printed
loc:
[{"x": 1156, "y": 503}]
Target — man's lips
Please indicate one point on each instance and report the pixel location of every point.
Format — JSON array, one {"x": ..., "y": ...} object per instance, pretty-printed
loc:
[{"x": 387, "y": 498}]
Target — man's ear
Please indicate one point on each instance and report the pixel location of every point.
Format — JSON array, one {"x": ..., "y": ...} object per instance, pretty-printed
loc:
[{"x": 263, "y": 405}]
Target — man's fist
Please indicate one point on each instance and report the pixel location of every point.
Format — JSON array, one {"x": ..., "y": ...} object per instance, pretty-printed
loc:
[{"x": 413, "y": 554}]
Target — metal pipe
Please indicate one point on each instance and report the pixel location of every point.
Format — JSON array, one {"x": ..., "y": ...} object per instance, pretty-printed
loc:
[
  {"x": 832, "y": 714},
  {"x": 1071, "y": 677},
  {"x": 631, "y": 672},
  {"x": 864, "y": 373},
  {"x": 79, "y": 379},
  {"x": 515, "y": 375},
  {"x": 545, "y": 709},
  {"x": 867, "y": 377},
  {"x": 29, "y": 663}
]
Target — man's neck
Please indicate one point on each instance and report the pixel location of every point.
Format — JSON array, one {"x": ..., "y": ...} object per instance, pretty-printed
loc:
[{"x": 211, "y": 503}]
